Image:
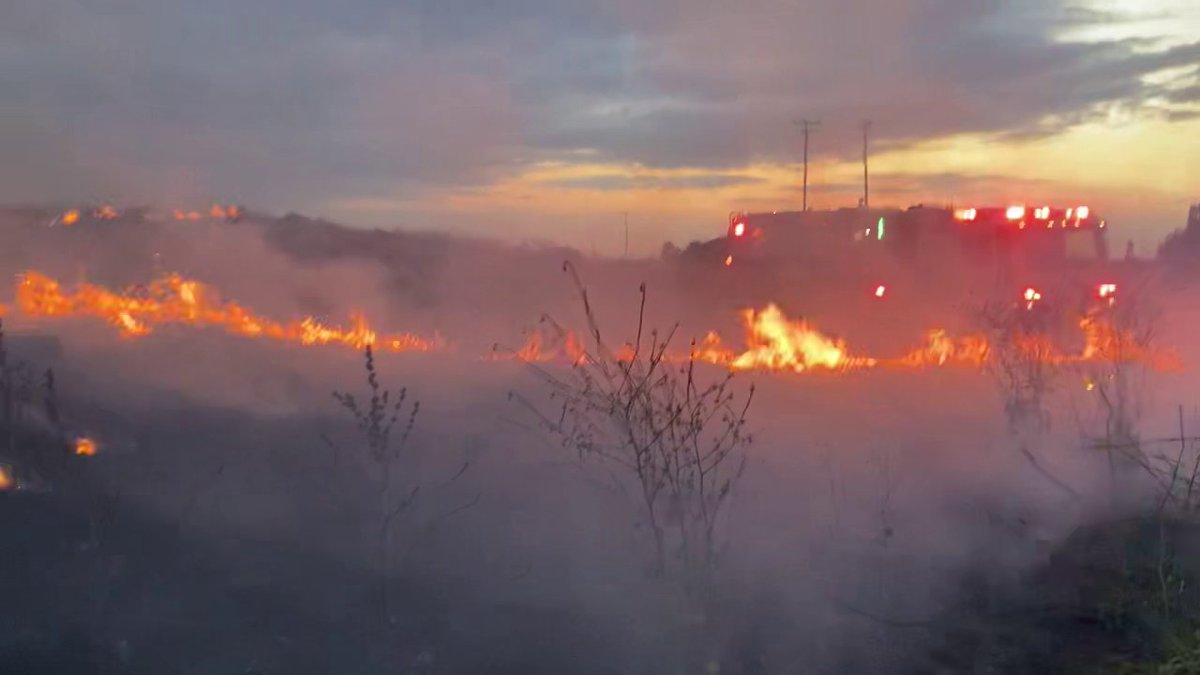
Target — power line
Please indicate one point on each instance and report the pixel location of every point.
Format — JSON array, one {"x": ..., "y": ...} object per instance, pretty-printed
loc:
[{"x": 806, "y": 125}]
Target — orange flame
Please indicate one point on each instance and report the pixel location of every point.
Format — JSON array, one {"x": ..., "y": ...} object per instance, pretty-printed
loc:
[
  {"x": 7, "y": 482},
  {"x": 773, "y": 341},
  {"x": 547, "y": 344},
  {"x": 777, "y": 343},
  {"x": 941, "y": 349},
  {"x": 175, "y": 300},
  {"x": 85, "y": 447},
  {"x": 70, "y": 217},
  {"x": 1105, "y": 342},
  {"x": 710, "y": 350},
  {"x": 551, "y": 343}
]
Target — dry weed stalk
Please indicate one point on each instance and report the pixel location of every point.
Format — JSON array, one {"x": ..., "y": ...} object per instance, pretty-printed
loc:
[
  {"x": 376, "y": 419},
  {"x": 1019, "y": 360},
  {"x": 1117, "y": 380},
  {"x": 385, "y": 421},
  {"x": 677, "y": 442}
]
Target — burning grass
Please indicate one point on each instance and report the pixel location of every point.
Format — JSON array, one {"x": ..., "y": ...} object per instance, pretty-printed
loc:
[
  {"x": 175, "y": 300},
  {"x": 773, "y": 341}
]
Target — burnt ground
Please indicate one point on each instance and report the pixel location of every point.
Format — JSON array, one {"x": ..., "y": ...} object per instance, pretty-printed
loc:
[{"x": 95, "y": 581}]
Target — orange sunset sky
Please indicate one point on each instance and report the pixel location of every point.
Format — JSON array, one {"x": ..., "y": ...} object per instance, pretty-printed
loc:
[{"x": 548, "y": 120}]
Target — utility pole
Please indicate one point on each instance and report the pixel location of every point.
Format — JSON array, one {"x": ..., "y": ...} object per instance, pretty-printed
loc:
[
  {"x": 866, "y": 130},
  {"x": 626, "y": 234},
  {"x": 806, "y": 125}
]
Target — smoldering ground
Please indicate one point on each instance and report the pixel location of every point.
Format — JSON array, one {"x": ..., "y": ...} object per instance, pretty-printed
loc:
[{"x": 243, "y": 525}]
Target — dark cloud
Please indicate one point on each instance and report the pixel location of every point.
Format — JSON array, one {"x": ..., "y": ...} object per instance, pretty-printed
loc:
[
  {"x": 1182, "y": 115},
  {"x": 301, "y": 103},
  {"x": 1186, "y": 95},
  {"x": 727, "y": 84},
  {"x": 614, "y": 182}
]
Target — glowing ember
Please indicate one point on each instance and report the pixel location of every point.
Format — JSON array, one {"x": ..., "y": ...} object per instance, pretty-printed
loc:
[
  {"x": 7, "y": 481},
  {"x": 105, "y": 212},
  {"x": 175, "y": 300},
  {"x": 85, "y": 447},
  {"x": 70, "y": 217}
]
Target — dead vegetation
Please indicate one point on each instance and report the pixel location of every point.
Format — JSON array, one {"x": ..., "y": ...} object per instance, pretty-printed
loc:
[
  {"x": 385, "y": 419},
  {"x": 672, "y": 438}
]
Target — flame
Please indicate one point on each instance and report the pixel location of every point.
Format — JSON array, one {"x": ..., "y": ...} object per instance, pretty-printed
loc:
[
  {"x": 773, "y": 341},
  {"x": 175, "y": 300},
  {"x": 105, "y": 212},
  {"x": 7, "y": 481},
  {"x": 230, "y": 212},
  {"x": 552, "y": 343},
  {"x": 711, "y": 350},
  {"x": 216, "y": 212},
  {"x": 1104, "y": 341},
  {"x": 70, "y": 217},
  {"x": 85, "y": 447},
  {"x": 776, "y": 343},
  {"x": 548, "y": 343},
  {"x": 941, "y": 349}
]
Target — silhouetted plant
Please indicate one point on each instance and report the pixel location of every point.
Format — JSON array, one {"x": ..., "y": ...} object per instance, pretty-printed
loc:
[
  {"x": 376, "y": 420},
  {"x": 677, "y": 441},
  {"x": 385, "y": 420},
  {"x": 1019, "y": 360}
]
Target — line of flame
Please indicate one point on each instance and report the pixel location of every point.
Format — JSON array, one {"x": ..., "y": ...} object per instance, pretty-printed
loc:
[
  {"x": 774, "y": 342},
  {"x": 175, "y": 300}
]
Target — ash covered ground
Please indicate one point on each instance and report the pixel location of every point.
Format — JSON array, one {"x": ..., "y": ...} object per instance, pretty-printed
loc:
[{"x": 885, "y": 520}]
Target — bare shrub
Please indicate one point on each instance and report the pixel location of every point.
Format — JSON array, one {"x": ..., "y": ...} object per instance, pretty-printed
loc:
[
  {"x": 1121, "y": 338},
  {"x": 35, "y": 443},
  {"x": 1019, "y": 362},
  {"x": 37, "y": 455},
  {"x": 376, "y": 419},
  {"x": 672, "y": 440},
  {"x": 1022, "y": 361},
  {"x": 385, "y": 419}
]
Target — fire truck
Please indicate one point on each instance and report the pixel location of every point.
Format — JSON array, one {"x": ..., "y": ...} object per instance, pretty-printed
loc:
[{"x": 869, "y": 262}]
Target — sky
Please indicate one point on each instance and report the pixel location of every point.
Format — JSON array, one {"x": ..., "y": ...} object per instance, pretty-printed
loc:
[{"x": 550, "y": 120}]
